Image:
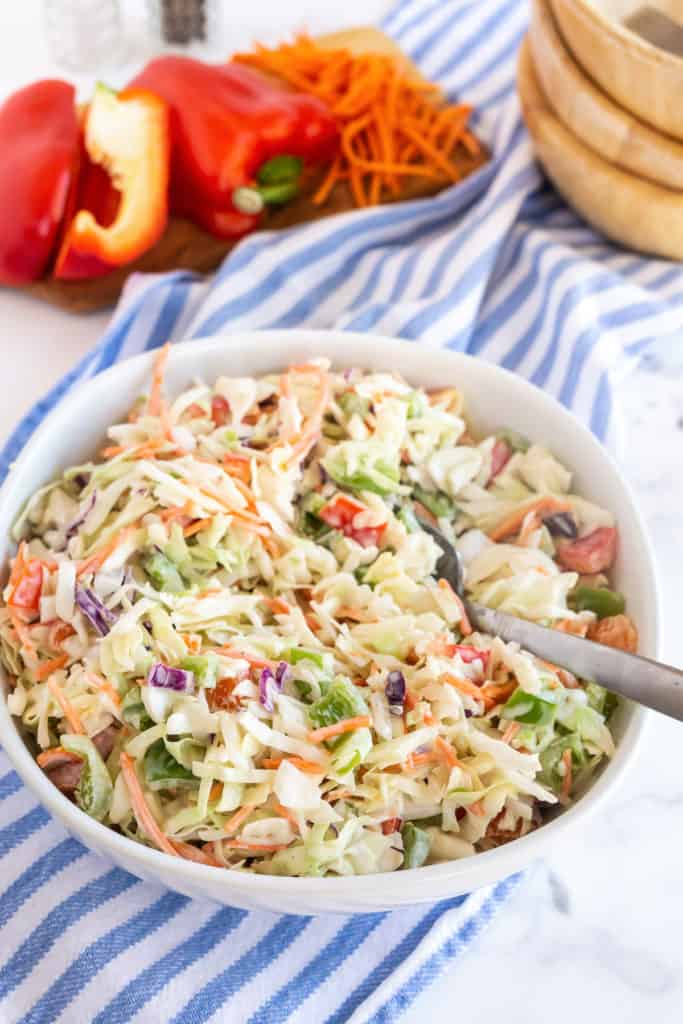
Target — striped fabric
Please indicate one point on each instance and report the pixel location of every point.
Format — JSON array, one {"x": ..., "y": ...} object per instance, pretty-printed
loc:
[{"x": 497, "y": 266}]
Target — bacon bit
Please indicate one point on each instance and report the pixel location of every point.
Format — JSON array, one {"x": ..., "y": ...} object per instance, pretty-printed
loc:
[
  {"x": 238, "y": 818},
  {"x": 55, "y": 756},
  {"x": 106, "y": 687},
  {"x": 510, "y": 732},
  {"x": 346, "y": 725},
  {"x": 46, "y": 668},
  {"x": 220, "y": 697},
  {"x": 196, "y": 527},
  {"x": 154, "y": 402},
  {"x": 500, "y": 456},
  {"x": 143, "y": 815},
  {"x": 189, "y": 852},
  {"x": 59, "y": 632},
  {"x": 465, "y": 625},
  {"x": 220, "y": 410},
  {"x": 592, "y": 553},
  {"x": 511, "y": 523},
  {"x": 615, "y": 631},
  {"x": 67, "y": 707},
  {"x": 567, "y": 777},
  {"x": 446, "y": 753},
  {"x": 284, "y": 812},
  {"x": 391, "y": 825}
]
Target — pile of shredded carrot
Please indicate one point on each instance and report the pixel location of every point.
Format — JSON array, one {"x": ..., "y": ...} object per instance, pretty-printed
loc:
[{"x": 393, "y": 124}]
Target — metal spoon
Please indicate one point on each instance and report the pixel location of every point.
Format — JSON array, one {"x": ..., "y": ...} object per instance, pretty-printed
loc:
[{"x": 648, "y": 682}]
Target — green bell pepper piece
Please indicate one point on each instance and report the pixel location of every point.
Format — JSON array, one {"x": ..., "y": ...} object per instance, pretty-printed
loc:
[
  {"x": 601, "y": 600},
  {"x": 94, "y": 790},
  {"x": 163, "y": 573}
]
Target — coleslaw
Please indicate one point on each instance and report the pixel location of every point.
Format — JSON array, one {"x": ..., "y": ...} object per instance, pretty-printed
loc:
[{"x": 225, "y": 636}]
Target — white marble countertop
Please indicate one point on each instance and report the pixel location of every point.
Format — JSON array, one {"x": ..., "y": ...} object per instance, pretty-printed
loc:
[{"x": 595, "y": 932}]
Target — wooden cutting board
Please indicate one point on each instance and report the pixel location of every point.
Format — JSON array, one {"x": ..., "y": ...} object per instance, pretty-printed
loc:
[
  {"x": 626, "y": 208},
  {"x": 186, "y": 246}
]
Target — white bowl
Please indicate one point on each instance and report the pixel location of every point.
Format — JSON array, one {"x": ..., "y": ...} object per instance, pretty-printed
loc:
[{"x": 495, "y": 398}]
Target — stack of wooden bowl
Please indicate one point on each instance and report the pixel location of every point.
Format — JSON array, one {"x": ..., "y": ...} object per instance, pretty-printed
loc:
[{"x": 601, "y": 88}]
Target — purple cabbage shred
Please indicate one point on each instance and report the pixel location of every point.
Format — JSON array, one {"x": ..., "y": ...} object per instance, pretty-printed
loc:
[
  {"x": 98, "y": 615},
  {"x": 72, "y": 528},
  {"x": 167, "y": 678}
]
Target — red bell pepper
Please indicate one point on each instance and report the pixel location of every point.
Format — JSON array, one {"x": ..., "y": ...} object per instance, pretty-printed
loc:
[
  {"x": 236, "y": 131},
  {"x": 25, "y": 582},
  {"x": 340, "y": 513},
  {"x": 122, "y": 200},
  {"x": 39, "y": 136}
]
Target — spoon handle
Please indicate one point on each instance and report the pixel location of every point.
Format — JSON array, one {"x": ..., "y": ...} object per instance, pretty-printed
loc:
[{"x": 648, "y": 682}]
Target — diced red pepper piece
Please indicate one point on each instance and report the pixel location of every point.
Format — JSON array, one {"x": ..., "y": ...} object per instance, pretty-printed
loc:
[
  {"x": 592, "y": 553},
  {"x": 227, "y": 121},
  {"x": 220, "y": 410},
  {"x": 468, "y": 654},
  {"x": 500, "y": 456},
  {"x": 340, "y": 513},
  {"x": 391, "y": 825},
  {"x": 39, "y": 135},
  {"x": 26, "y": 582},
  {"x": 126, "y": 135}
]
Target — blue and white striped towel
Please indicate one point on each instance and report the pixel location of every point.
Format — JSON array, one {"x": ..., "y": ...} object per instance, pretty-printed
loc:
[{"x": 497, "y": 266}]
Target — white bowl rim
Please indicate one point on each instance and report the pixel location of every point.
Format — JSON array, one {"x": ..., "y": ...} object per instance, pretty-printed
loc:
[{"x": 507, "y": 859}]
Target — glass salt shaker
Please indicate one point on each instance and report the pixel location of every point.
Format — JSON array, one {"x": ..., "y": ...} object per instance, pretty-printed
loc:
[{"x": 84, "y": 35}]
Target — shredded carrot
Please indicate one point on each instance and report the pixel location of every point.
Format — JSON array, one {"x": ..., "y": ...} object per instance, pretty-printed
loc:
[
  {"x": 394, "y": 126},
  {"x": 299, "y": 762},
  {"x": 238, "y": 818},
  {"x": 477, "y": 808},
  {"x": 530, "y": 524},
  {"x": 567, "y": 778},
  {"x": 510, "y": 732},
  {"x": 196, "y": 527},
  {"x": 302, "y": 445},
  {"x": 285, "y": 812},
  {"x": 23, "y": 634},
  {"x": 511, "y": 524},
  {"x": 465, "y": 626},
  {"x": 143, "y": 815},
  {"x": 346, "y": 725},
  {"x": 465, "y": 686},
  {"x": 410, "y": 701},
  {"x": 215, "y": 791},
  {"x": 276, "y": 605},
  {"x": 106, "y": 687},
  {"x": 67, "y": 707},
  {"x": 46, "y": 668},
  {"x": 446, "y": 753},
  {"x": 59, "y": 632},
  {"x": 189, "y": 852},
  {"x": 242, "y": 844},
  {"x": 415, "y": 760},
  {"x": 254, "y": 660},
  {"x": 246, "y": 519},
  {"x": 154, "y": 403},
  {"x": 493, "y": 695},
  {"x": 97, "y": 559}
]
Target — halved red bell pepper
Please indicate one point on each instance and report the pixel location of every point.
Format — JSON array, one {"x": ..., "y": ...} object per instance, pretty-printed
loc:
[
  {"x": 227, "y": 122},
  {"x": 126, "y": 135},
  {"x": 39, "y": 137}
]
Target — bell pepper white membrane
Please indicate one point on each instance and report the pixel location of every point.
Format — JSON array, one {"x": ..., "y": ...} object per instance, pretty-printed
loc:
[{"x": 237, "y": 593}]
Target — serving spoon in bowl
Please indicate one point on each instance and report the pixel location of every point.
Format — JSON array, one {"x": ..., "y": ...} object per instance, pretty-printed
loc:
[{"x": 648, "y": 682}]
